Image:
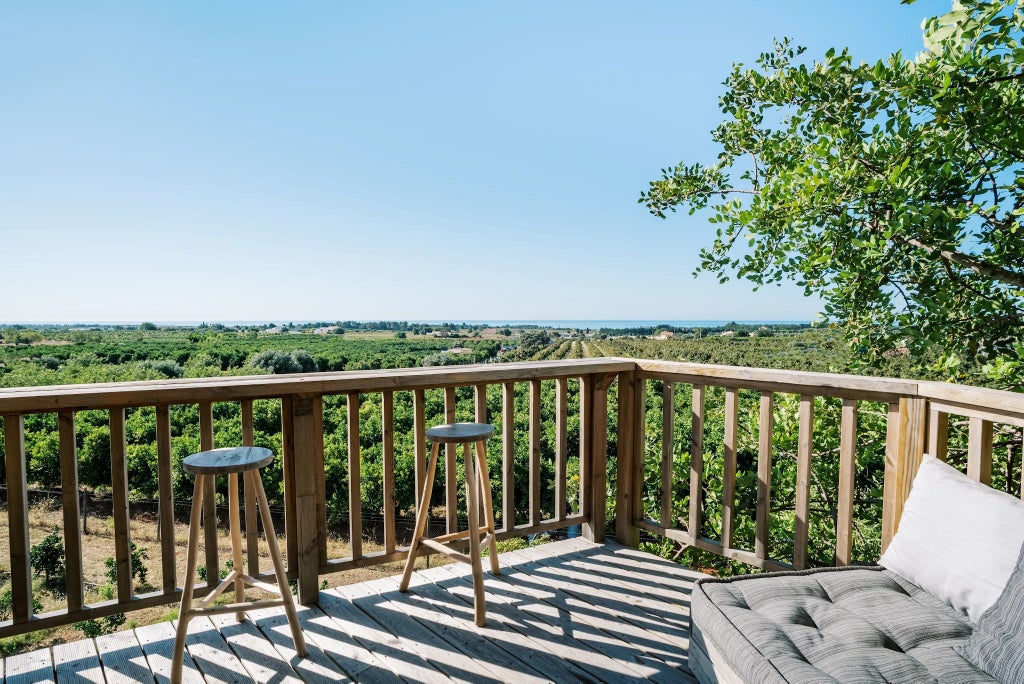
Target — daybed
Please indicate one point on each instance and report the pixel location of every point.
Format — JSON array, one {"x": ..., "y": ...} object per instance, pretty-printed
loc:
[{"x": 945, "y": 604}]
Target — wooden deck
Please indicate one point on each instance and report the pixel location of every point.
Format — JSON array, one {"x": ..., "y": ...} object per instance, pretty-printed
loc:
[{"x": 566, "y": 611}]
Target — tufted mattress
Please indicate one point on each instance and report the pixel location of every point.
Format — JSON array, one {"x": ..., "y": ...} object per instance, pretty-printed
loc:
[{"x": 829, "y": 625}]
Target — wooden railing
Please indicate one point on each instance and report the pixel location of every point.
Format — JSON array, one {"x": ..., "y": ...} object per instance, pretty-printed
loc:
[
  {"x": 917, "y": 422},
  {"x": 916, "y": 415},
  {"x": 302, "y": 438}
]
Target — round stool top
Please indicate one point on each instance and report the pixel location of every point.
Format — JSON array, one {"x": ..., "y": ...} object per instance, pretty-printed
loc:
[
  {"x": 457, "y": 433},
  {"x": 227, "y": 460}
]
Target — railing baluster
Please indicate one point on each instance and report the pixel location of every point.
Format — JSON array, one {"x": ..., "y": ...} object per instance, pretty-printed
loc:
[
  {"x": 638, "y": 443},
  {"x": 561, "y": 445},
  {"x": 388, "y": 464},
  {"x": 451, "y": 480},
  {"x": 209, "y": 498},
  {"x": 419, "y": 442},
  {"x": 764, "y": 477},
  {"x": 288, "y": 474},
  {"x": 979, "y": 450},
  {"x": 626, "y": 531},
  {"x": 69, "y": 500},
  {"x": 535, "y": 400},
  {"x": 355, "y": 489},
  {"x": 804, "y": 453},
  {"x": 165, "y": 488},
  {"x": 696, "y": 517},
  {"x": 119, "y": 493},
  {"x": 480, "y": 403},
  {"x": 319, "y": 472},
  {"x": 508, "y": 456},
  {"x": 586, "y": 434},
  {"x": 732, "y": 403},
  {"x": 17, "y": 518},
  {"x": 847, "y": 479},
  {"x": 938, "y": 434},
  {"x": 252, "y": 539},
  {"x": 668, "y": 406}
]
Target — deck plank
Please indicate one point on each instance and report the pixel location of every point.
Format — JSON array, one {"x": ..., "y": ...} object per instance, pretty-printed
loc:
[
  {"x": 611, "y": 632},
  {"x": 211, "y": 654},
  {"x": 569, "y": 610},
  {"x": 431, "y": 606},
  {"x": 390, "y": 613},
  {"x": 396, "y": 652},
  {"x": 77, "y": 661},
  {"x": 317, "y": 667},
  {"x": 29, "y": 668},
  {"x": 157, "y": 643},
  {"x": 122, "y": 658},
  {"x": 548, "y": 630}
]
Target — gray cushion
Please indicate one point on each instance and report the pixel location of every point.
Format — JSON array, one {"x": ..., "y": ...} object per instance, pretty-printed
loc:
[
  {"x": 832, "y": 625},
  {"x": 997, "y": 645}
]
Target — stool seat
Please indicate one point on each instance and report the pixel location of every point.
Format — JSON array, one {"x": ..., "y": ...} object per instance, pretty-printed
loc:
[
  {"x": 228, "y": 460},
  {"x": 460, "y": 433}
]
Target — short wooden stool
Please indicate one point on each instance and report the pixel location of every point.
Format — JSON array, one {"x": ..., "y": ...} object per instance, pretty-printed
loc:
[
  {"x": 231, "y": 462},
  {"x": 477, "y": 481}
]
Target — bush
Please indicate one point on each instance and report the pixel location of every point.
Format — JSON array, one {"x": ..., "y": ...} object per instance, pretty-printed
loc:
[
  {"x": 279, "y": 362},
  {"x": 165, "y": 367},
  {"x": 48, "y": 556},
  {"x": 139, "y": 571},
  {"x": 94, "y": 628}
]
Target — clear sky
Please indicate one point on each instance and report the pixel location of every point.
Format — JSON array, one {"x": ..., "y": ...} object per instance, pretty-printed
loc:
[{"x": 344, "y": 160}]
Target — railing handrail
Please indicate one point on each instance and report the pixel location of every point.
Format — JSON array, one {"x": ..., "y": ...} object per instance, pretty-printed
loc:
[{"x": 50, "y": 398}]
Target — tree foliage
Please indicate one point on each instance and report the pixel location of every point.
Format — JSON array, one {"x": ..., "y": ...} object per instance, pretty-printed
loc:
[{"x": 892, "y": 189}]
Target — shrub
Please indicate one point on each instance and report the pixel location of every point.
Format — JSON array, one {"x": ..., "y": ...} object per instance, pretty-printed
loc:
[{"x": 48, "y": 556}]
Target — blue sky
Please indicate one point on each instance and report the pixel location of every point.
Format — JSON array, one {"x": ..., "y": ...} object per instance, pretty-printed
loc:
[{"x": 267, "y": 161}]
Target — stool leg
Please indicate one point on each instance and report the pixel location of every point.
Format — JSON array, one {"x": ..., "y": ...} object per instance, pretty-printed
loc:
[
  {"x": 275, "y": 556},
  {"x": 422, "y": 514},
  {"x": 484, "y": 476},
  {"x": 178, "y": 658},
  {"x": 473, "y": 508},
  {"x": 236, "y": 541}
]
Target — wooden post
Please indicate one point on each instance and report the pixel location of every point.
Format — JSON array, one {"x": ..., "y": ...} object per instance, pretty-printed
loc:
[
  {"x": 69, "y": 494},
  {"x": 17, "y": 516},
  {"x": 561, "y": 445},
  {"x": 165, "y": 485},
  {"x": 979, "y": 450},
  {"x": 732, "y": 403},
  {"x": 696, "y": 517},
  {"x": 625, "y": 531},
  {"x": 804, "y": 453},
  {"x": 451, "y": 480},
  {"x": 904, "y": 447},
  {"x": 535, "y": 400},
  {"x": 209, "y": 498},
  {"x": 597, "y": 457},
  {"x": 668, "y": 428},
  {"x": 252, "y": 539},
  {"x": 307, "y": 530},
  {"x": 119, "y": 492},
  {"x": 938, "y": 434},
  {"x": 388, "y": 465},
  {"x": 291, "y": 536},
  {"x": 764, "y": 478},
  {"x": 508, "y": 456},
  {"x": 355, "y": 485},
  {"x": 847, "y": 479}
]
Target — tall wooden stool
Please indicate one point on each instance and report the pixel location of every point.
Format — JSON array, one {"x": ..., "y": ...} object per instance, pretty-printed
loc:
[
  {"x": 477, "y": 481},
  {"x": 231, "y": 462}
]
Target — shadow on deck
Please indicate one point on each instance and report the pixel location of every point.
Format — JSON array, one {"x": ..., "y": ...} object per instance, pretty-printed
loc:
[{"x": 564, "y": 611}]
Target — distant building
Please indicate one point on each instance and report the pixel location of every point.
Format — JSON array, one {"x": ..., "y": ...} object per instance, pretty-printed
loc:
[{"x": 664, "y": 335}]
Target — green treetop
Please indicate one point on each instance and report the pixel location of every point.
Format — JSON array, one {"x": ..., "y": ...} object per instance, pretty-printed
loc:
[{"x": 893, "y": 190}]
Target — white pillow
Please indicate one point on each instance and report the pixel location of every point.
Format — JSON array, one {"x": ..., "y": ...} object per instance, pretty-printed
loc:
[{"x": 958, "y": 539}]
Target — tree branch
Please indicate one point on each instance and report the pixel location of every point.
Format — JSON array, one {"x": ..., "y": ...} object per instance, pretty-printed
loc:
[{"x": 983, "y": 268}]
